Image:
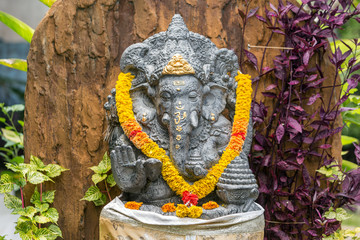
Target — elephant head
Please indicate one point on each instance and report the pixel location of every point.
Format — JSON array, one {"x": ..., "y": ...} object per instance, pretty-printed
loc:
[{"x": 182, "y": 102}]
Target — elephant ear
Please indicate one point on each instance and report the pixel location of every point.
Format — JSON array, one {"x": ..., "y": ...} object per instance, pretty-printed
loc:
[
  {"x": 134, "y": 60},
  {"x": 224, "y": 68},
  {"x": 214, "y": 101},
  {"x": 145, "y": 113},
  {"x": 143, "y": 106},
  {"x": 224, "y": 62}
]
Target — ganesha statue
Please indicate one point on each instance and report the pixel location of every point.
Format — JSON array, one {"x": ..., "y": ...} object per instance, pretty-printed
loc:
[{"x": 180, "y": 129}]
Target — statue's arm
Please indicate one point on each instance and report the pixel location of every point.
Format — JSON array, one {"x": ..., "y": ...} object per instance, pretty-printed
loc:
[{"x": 130, "y": 173}]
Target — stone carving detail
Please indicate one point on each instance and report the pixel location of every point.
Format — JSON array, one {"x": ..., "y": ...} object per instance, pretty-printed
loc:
[{"x": 183, "y": 96}]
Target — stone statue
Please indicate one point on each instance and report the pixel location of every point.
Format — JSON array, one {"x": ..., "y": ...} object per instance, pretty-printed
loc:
[{"x": 183, "y": 96}]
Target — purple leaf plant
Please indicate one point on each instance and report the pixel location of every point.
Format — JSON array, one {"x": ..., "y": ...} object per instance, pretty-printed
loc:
[{"x": 294, "y": 196}]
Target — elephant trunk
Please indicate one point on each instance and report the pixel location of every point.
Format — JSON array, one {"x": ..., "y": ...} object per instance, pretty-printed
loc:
[
  {"x": 180, "y": 126},
  {"x": 180, "y": 129}
]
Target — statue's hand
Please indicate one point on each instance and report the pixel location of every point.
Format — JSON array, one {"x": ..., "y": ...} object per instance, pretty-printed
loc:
[
  {"x": 129, "y": 173},
  {"x": 152, "y": 168},
  {"x": 110, "y": 107}
]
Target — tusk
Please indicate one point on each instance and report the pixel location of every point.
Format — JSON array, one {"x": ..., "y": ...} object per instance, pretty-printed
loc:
[{"x": 194, "y": 120}]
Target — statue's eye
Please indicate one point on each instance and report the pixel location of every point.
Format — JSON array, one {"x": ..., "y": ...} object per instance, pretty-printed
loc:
[
  {"x": 193, "y": 95},
  {"x": 165, "y": 96}
]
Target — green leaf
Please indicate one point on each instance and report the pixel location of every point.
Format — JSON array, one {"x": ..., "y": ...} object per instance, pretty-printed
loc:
[
  {"x": 330, "y": 215},
  {"x": 29, "y": 211},
  {"x": 342, "y": 215},
  {"x": 18, "y": 64},
  {"x": 6, "y": 184},
  {"x": 328, "y": 172},
  {"x": 22, "y": 219},
  {"x": 92, "y": 194},
  {"x": 48, "y": 3},
  {"x": 54, "y": 170},
  {"x": 15, "y": 108},
  {"x": 345, "y": 140},
  {"x": 8, "y": 151},
  {"x": 12, "y": 136},
  {"x": 36, "y": 162},
  {"x": 12, "y": 202},
  {"x": 347, "y": 165},
  {"x": 41, "y": 219},
  {"x": 21, "y": 182},
  {"x": 17, "y": 160},
  {"x": 95, "y": 169},
  {"x": 26, "y": 235},
  {"x": 101, "y": 201},
  {"x": 105, "y": 164},
  {"x": 21, "y": 123},
  {"x": 35, "y": 197},
  {"x": 2, "y": 119},
  {"x": 55, "y": 230},
  {"x": 110, "y": 180},
  {"x": 20, "y": 168},
  {"x": 41, "y": 207},
  {"x": 52, "y": 214},
  {"x": 351, "y": 118},
  {"x": 24, "y": 229},
  {"x": 354, "y": 99},
  {"x": 18, "y": 26},
  {"x": 96, "y": 178},
  {"x": 35, "y": 177},
  {"x": 44, "y": 234},
  {"x": 48, "y": 196}
]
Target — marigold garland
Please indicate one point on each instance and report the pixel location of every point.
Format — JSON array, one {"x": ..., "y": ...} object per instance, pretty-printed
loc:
[
  {"x": 210, "y": 205},
  {"x": 150, "y": 148},
  {"x": 133, "y": 205}
]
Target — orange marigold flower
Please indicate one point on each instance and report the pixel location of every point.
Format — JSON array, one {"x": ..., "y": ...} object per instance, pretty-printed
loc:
[
  {"x": 133, "y": 205},
  {"x": 129, "y": 126},
  {"x": 210, "y": 205},
  {"x": 168, "y": 207},
  {"x": 235, "y": 143}
]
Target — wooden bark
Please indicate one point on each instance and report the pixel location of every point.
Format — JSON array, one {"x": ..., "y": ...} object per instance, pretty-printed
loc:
[{"x": 73, "y": 64}]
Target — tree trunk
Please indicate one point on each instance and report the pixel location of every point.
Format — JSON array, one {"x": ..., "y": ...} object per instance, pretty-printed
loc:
[{"x": 72, "y": 65}]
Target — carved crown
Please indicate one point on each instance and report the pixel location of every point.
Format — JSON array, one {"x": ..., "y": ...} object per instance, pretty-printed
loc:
[{"x": 179, "y": 51}]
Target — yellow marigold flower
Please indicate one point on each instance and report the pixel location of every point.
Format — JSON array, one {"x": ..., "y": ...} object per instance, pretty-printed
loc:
[
  {"x": 195, "y": 212},
  {"x": 210, "y": 205},
  {"x": 168, "y": 207},
  {"x": 133, "y": 205},
  {"x": 182, "y": 211}
]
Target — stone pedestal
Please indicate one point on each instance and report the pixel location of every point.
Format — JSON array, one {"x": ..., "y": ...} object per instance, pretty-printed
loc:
[{"x": 117, "y": 222}]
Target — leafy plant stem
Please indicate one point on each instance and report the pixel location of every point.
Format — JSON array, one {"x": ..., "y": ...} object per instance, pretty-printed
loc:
[
  {"x": 22, "y": 197},
  {"x": 107, "y": 191},
  {"x": 41, "y": 191}
]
